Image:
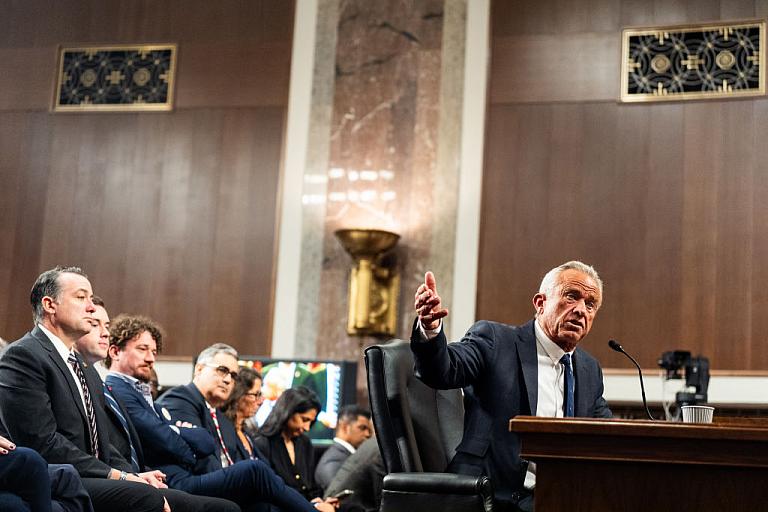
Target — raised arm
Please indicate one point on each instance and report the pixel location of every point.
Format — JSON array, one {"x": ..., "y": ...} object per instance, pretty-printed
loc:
[{"x": 428, "y": 305}]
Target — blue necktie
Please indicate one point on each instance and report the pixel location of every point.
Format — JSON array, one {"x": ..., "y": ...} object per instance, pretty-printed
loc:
[
  {"x": 568, "y": 386},
  {"x": 119, "y": 413}
]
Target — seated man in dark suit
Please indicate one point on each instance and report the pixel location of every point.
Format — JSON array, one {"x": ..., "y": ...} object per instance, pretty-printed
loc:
[
  {"x": 533, "y": 369},
  {"x": 363, "y": 474},
  {"x": 353, "y": 427},
  {"x": 50, "y": 400},
  {"x": 123, "y": 437},
  {"x": 171, "y": 429}
]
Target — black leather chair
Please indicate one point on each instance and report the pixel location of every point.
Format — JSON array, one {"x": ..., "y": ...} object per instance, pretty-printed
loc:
[{"x": 418, "y": 429}]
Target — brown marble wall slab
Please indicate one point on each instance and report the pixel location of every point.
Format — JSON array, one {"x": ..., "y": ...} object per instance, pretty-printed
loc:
[{"x": 383, "y": 155}]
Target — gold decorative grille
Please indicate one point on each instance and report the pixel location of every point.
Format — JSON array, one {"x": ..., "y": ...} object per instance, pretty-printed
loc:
[
  {"x": 115, "y": 78},
  {"x": 713, "y": 60}
]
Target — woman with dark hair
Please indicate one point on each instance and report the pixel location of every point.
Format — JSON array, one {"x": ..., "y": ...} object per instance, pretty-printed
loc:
[
  {"x": 245, "y": 400},
  {"x": 283, "y": 440}
]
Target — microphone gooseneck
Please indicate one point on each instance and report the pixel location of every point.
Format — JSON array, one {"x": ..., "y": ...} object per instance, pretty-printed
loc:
[{"x": 618, "y": 348}]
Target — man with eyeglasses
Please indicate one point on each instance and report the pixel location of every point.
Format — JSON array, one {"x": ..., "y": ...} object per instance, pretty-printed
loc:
[
  {"x": 93, "y": 348},
  {"x": 165, "y": 428}
]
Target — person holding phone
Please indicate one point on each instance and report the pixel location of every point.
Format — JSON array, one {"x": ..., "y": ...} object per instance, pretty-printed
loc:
[{"x": 284, "y": 442}]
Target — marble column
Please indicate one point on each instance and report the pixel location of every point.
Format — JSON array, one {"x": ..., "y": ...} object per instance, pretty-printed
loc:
[{"x": 383, "y": 151}]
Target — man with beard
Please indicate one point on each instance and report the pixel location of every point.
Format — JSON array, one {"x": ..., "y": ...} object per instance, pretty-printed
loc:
[
  {"x": 172, "y": 428},
  {"x": 93, "y": 348}
]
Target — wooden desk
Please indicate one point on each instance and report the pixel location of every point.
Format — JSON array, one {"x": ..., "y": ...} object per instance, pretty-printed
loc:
[{"x": 627, "y": 465}]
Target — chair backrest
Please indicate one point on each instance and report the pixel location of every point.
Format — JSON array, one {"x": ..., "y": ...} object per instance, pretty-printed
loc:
[{"x": 417, "y": 427}]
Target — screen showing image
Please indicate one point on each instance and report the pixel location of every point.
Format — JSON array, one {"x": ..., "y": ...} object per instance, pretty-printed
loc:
[{"x": 332, "y": 381}]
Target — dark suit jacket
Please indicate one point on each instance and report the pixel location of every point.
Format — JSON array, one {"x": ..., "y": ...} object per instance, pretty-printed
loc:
[
  {"x": 329, "y": 464},
  {"x": 497, "y": 366},
  {"x": 242, "y": 454},
  {"x": 161, "y": 444},
  {"x": 41, "y": 408},
  {"x": 122, "y": 440},
  {"x": 186, "y": 403},
  {"x": 363, "y": 472},
  {"x": 301, "y": 475}
]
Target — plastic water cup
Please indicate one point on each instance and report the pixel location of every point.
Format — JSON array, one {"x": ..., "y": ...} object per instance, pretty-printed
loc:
[{"x": 697, "y": 413}]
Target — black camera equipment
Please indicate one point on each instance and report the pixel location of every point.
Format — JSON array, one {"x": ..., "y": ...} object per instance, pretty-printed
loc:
[{"x": 679, "y": 364}]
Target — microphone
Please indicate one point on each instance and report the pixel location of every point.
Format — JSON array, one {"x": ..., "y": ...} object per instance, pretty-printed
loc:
[{"x": 618, "y": 348}]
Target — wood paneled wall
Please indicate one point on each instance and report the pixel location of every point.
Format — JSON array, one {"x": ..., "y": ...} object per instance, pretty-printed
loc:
[
  {"x": 666, "y": 200},
  {"x": 172, "y": 215}
]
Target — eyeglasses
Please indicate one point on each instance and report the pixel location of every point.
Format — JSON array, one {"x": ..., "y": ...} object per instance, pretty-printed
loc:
[
  {"x": 222, "y": 370},
  {"x": 255, "y": 395}
]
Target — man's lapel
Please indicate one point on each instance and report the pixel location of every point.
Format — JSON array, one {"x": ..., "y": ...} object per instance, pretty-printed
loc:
[
  {"x": 116, "y": 382},
  {"x": 583, "y": 408},
  {"x": 526, "y": 351},
  {"x": 47, "y": 345},
  {"x": 96, "y": 388}
]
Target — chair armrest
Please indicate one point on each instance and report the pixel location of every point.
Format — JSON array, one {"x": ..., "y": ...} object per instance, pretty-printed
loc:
[
  {"x": 438, "y": 483},
  {"x": 437, "y": 491}
]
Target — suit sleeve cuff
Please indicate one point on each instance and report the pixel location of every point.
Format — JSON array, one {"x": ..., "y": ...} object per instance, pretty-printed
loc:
[{"x": 430, "y": 334}]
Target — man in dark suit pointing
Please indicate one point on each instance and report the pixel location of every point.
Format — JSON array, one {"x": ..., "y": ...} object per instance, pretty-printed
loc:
[{"x": 532, "y": 369}]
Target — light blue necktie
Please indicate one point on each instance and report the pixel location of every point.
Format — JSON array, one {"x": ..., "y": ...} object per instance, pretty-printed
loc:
[
  {"x": 568, "y": 386},
  {"x": 119, "y": 413}
]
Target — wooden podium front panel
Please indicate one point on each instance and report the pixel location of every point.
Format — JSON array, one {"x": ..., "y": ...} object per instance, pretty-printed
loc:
[
  {"x": 641, "y": 465},
  {"x": 573, "y": 485}
]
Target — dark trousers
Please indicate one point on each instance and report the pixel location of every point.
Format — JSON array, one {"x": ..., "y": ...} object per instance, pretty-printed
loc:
[
  {"x": 122, "y": 496},
  {"x": 12, "y": 503},
  {"x": 522, "y": 501},
  {"x": 24, "y": 480},
  {"x": 67, "y": 489},
  {"x": 181, "y": 501},
  {"x": 245, "y": 483}
]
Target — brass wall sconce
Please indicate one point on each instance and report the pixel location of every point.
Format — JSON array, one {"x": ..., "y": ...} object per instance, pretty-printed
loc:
[{"x": 374, "y": 282}]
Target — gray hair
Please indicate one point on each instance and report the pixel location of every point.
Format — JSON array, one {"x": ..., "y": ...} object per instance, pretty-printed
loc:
[
  {"x": 47, "y": 285},
  {"x": 549, "y": 281},
  {"x": 207, "y": 355}
]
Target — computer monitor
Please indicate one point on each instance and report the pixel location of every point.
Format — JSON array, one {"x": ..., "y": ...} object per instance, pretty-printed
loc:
[{"x": 333, "y": 381}]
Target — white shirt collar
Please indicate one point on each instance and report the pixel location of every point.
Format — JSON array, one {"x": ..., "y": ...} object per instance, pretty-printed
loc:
[
  {"x": 127, "y": 378},
  {"x": 59, "y": 345},
  {"x": 349, "y": 447},
  {"x": 551, "y": 348}
]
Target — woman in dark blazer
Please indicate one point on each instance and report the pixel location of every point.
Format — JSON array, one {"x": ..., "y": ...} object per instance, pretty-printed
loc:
[
  {"x": 284, "y": 442},
  {"x": 245, "y": 400}
]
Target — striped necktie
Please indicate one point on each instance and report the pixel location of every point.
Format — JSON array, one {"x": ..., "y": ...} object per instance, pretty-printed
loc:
[
  {"x": 226, "y": 460},
  {"x": 568, "y": 387},
  {"x": 119, "y": 413},
  {"x": 73, "y": 361}
]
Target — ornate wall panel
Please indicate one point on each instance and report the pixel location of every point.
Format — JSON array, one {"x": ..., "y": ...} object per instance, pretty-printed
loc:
[
  {"x": 171, "y": 215},
  {"x": 115, "y": 78},
  {"x": 664, "y": 198},
  {"x": 693, "y": 62}
]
